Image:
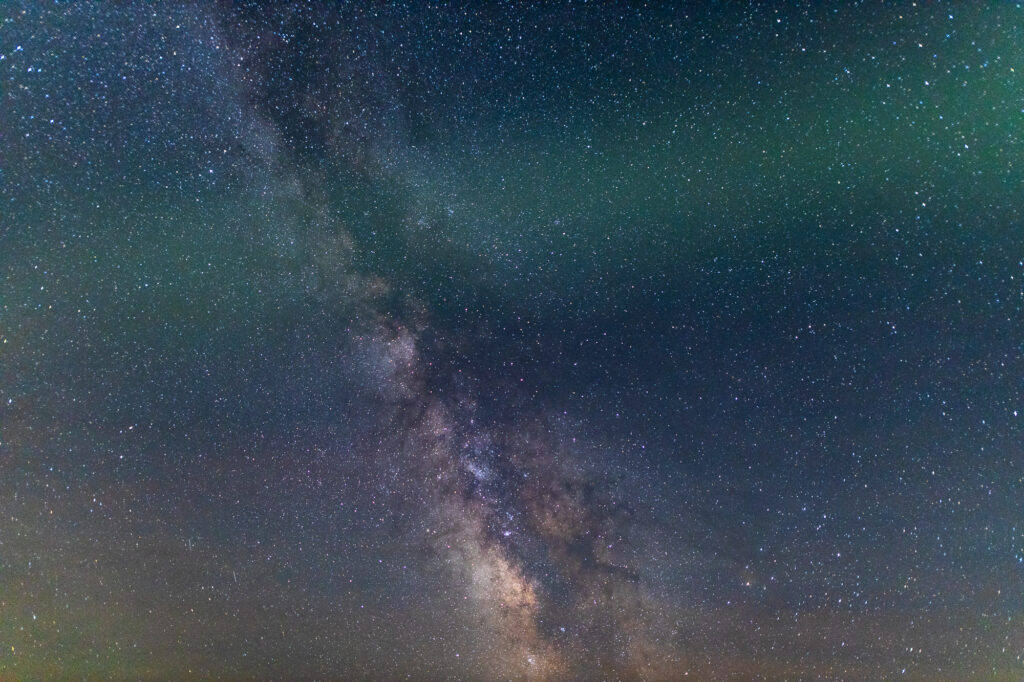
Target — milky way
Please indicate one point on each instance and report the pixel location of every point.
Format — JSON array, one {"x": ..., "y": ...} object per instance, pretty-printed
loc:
[{"x": 565, "y": 342}]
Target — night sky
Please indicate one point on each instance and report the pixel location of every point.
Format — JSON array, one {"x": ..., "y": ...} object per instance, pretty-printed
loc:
[{"x": 555, "y": 342}]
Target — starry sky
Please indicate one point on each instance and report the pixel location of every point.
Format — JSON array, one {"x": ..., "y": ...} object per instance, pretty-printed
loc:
[{"x": 509, "y": 341}]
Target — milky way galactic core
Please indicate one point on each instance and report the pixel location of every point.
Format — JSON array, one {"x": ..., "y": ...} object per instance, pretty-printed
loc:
[{"x": 572, "y": 341}]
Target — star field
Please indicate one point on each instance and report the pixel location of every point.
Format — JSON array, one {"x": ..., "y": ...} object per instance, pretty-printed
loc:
[{"x": 559, "y": 342}]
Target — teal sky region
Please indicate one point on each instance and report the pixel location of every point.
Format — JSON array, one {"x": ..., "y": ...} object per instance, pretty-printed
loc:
[{"x": 565, "y": 341}]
